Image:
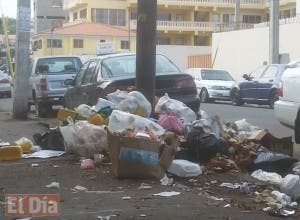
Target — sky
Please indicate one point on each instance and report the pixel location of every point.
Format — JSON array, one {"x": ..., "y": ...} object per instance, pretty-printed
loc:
[{"x": 9, "y": 8}]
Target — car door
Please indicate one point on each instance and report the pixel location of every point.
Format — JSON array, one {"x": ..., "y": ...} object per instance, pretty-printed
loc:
[
  {"x": 248, "y": 88},
  {"x": 73, "y": 96},
  {"x": 88, "y": 83},
  {"x": 266, "y": 81}
]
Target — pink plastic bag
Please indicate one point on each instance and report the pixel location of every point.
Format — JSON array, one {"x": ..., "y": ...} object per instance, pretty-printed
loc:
[
  {"x": 87, "y": 164},
  {"x": 171, "y": 123}
]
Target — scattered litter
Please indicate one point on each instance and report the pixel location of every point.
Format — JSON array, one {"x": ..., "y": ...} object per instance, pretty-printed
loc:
[
  {"x": 166, "y": 181},
  {"x": 35, "y": 165},
  {"x": 106, "y": 217},
  {"x": 79, "y": 188},
  {"x": 184, "y": 168},
  {"x": 44, "y": 154},
  {"x": 167, "y": 194},
  {"x": 215, "y": 198},
  {"x": 143, "y": 215},
  {"x": 282, "y": 198},
  {"x": 227, "y": 206},
  {"x": 56, "y": 166},
  {"x": 3, "y": 143},
  {"x": 231, "y": 185},
  {"x": 279, "y": 212},
  {"x": 126, "y": 198},
  {"x": 291, "y": 185},
  {"x": 145, "y": 186},
  {"x": 269, "y": 177},
  {"x": 25, "y": 144},
  {"x": 53, "y": 185},
  {"x": 87, "y": 164},
  {"x": 23, "y": 219},
  {"x": 104, "y": 192},
  {"x": 10, "y": 153}
]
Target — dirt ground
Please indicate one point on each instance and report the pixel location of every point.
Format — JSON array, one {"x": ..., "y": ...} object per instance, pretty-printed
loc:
[{"x": 193, "y": 202}]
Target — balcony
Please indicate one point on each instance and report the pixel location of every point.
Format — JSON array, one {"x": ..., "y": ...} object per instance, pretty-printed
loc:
[
  {"x": 194, "y": 26},
  {"x": 69, "y": 4},
  {"x": 259, "y": 4}
]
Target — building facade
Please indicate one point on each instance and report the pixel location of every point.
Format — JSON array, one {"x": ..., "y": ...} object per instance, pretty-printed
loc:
[
  {"x": 179, "y": 22},
  {"x": 48, "y": 14}
]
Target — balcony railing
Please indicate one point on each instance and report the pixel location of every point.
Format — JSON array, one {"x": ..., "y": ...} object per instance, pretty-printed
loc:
[
  {"x": 195, "y": 26},
  {"x": 211, "y": 3},
  {"x": 291, "y": 20},
  {"x": 72, "y": 3}
]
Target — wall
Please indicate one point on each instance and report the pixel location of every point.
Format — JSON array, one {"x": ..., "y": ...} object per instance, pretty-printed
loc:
[
  {"x": 242, "y": 51},
  {"x": 179, "y": 54}
]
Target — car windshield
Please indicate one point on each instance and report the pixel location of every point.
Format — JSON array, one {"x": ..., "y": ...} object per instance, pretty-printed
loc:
[
  {"x": 216, "y": 75},
  {"x": 125, "y": 65},
  {"x": 55, "y": 65}
]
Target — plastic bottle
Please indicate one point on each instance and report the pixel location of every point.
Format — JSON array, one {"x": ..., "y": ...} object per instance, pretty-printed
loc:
[{"x": 11, "y": 153}]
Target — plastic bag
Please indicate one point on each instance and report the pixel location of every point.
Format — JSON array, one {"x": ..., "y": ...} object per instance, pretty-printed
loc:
[
  {"x": 245, "y": 128},
  {"x": 117, "y": 96},
  {"x": 142, "y": 102},
  {"x": 184, "y": 168},
  {"x": 273, "y": 178},
  {"x": 84, "y": 139},
  {"x": 84, "y": 110},
  {"x": 121, "y": 121},
  {"x": 166, "y": 105},
  {"x": 171, "y": 123},
  {"x": 103, "y": 103},
  {"x": 25, "y": 144},
  {"x": 291, "y": 185}
]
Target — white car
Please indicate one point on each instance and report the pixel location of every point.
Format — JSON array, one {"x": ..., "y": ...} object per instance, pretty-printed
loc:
[
  {"x": 287, "y": 109},
  {"x": 212, "y": 84}
]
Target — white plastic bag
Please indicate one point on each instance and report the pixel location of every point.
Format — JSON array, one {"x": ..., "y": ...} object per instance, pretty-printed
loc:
[
  {"x": 120, "y": 121},
  {"x": 273, "y": 178},
  {"x": 103, "y": 103},
  {"x": 291, "y": 185},
  {"x": 184, "y": 168},
  {"x": 142, "y": 102},
  {"x": 84, "y": 139},
  {"x": 84, "y": 110},
  {"x": 117, "y": 96},
  {"x": 166, "y": 105}
]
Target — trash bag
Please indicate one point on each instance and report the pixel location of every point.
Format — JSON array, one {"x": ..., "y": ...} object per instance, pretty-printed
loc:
[
  {"x": 103, "y": 103},
  {"x": 205, "y": 146},
  {"x": 84, "y": 139},
  {"x": 291, "y": 185},
  {"x": 142, "y": 102},
  {"x": 183, "y": 168},
  {"x": 120, "y": 121},
  {"x": 84, "y": 110},
  {"x": 117, "y": 96},
  {"x": 245, "y": 128},
  {"x": 171, "y": 123},
  {"x": 50, "y": 140},
  {"x": 270, "y": 177},
  {"x": 272, "y": 162},
  {"x": 166, "y": 105}
]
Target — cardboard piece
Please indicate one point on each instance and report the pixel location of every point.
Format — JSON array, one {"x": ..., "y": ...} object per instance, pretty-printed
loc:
[{"x": 138, "y": 157}]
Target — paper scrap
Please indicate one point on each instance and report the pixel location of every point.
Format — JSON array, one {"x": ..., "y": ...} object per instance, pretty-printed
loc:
[{"x": 44, "y": 154}]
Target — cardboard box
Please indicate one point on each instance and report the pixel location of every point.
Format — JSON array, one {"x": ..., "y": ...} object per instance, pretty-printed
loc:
[{"x": 139, "y": 158}]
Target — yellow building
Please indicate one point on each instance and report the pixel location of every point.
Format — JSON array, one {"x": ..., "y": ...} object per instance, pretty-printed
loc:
[
  {"x": 180, "y": 22},
  {"x": 81, "y": 38}
]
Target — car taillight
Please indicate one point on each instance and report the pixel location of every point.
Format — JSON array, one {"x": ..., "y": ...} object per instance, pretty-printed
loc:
[
  {"x": 280, "y": 89},
  {"x": 4, "y": 81},
  {"x": 185, "y": 83},
  {"x": 43, "y": 84},
  {"x": 109, "y": 89}
]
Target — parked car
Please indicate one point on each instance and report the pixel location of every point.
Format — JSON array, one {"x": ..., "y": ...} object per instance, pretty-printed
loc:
[
  {"x": 287, "y": 109},
  {"x": 212, "y": 84},
  {"x": 5, "y": 88},
  {"x": 47, "y": 78},
  {"x": 260, "y": 86},
  {"x": 107, "y": 73}
]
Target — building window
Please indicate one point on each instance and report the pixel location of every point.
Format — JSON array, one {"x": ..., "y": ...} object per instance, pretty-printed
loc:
[
  {"x": 75, "y": 16},
  {"x": 163, "y": 16},
  {"x": 77, "y": 43},
  {"x": 109, "y": 16},
  {"x": 201, "y": 41},
  {"x": 83, "y": 14},
  {"x": 216, "y": 18},
  {"x": 133, "y": 15},
  {"x": 201, "y": 16},
  {"x": 228, "y": 18},
  {"x": 179, "y": 41},
  {"x": 163, "y": 41},
  {"x": 54, "y": 43},
  {"x": 252, "y": 19},
  {"x": 125, "y": 44},
  {"x": 285, "y": 14}
]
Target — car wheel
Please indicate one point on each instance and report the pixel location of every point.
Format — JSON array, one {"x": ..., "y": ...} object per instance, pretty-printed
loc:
[
  {"x": 204, "y": 95},
  {"x": 273, "y": 98},
  {"x": 42, "y": 109},
  {"x": 235, "y": 98}
]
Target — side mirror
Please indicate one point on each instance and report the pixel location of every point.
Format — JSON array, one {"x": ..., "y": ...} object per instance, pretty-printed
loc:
[
  {"x": 69, "y": 82},
  {"x": 246, "y": 77}
]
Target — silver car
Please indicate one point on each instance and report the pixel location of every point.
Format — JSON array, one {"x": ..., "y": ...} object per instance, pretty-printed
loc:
[{"x": 5, "y": 87}]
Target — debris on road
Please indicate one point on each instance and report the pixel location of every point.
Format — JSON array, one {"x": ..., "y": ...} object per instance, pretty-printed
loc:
[
  {"x": 53, "y": 185},
  {"x": 184, "y": 168},
  {"x": 167, "y": 194}
]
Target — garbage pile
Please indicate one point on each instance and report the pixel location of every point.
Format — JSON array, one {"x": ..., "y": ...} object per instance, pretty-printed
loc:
[{"x": 122, "y": 131}]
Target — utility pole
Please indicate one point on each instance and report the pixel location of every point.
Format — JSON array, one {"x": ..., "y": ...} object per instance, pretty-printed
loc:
[
  {"x": 237, "y": 15},
  {"x": 21, "y": 80},
  {"x": 274, "y": 32},
  {"x": 146, "y": 48}
]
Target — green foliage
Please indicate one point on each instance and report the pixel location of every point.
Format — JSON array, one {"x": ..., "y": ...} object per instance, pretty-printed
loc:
[{"x": 11, "y": 26}]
